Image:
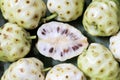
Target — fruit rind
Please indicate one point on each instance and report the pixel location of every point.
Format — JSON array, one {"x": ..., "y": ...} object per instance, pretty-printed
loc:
[
  {"x": 65, "y": 71},
  {"x": 67, "y": 10},
  {"x": 24, "y": 69},
  {"x": 14, "y": 42},
  {"x": 101, "y": 18},
  {"x": 98, "y": 63},
  {"x": 25, "y": 13}
]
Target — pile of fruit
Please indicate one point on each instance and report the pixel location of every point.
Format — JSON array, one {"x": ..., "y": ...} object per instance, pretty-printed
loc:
[{"x": 31, "y": 39}]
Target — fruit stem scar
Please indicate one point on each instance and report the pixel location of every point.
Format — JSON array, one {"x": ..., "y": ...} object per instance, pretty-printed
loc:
[
  {"x": 46, "y": 69},
  {"x": 48, "y": 18},
  {"x": 31, "y": 37}
]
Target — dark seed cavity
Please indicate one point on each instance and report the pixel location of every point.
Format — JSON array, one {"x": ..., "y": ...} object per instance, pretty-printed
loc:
[
  {"x": 58, "y": 29},
  {"x": 43, "y": 33},
  {"x": 61, "y": 54},
  {"x": 65, "y": 31},
  {"x": 44, "y": 30},
  {"x": 80, "y": 45},
  {"x": 66, "y": 50},
  {"x": 75, "y": 48},
  {"x": 51, "y": 50},
  {"x": 73, "y": 36}
]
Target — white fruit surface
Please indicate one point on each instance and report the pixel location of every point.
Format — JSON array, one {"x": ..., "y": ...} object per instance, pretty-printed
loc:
[
  {"x": 14, "y": 42},
  {"x": 115, "y": 45},
  {"x": 24, "y": 69},
  {"x": 98, "y": 63},
  {"x": 60, "y": 41},
  {"x": 65, "y": 71},
  {"x": 67, "y": 10},
  {"x": 25, "y": 13}
]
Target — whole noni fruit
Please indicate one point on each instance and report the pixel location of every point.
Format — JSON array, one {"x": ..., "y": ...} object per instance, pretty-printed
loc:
[
  {"x": 14, "y": 42},
  {"x": 67, "y": 10},
  {"x": 25, "y": 69},
  {"x": 65, "y": 71},
  {"x": 25, "y": 13},
  {"x": 102, "y": 18},
  {"x": 98, "y": 63}
]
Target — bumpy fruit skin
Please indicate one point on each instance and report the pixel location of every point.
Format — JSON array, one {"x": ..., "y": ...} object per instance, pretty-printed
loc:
[
  {"x": 24, "y": 69},
  {"x": 65, "y": 71},
  {"x": 98, "y": 63},
  {"x": 67, "y": 10},
  {"x": 14, "y": 42},
  {"x": 115, "y": 45},
  {"x": 101, "y": 18},
  {"x": 25, "y": 13},
  {"x": 60, "y": 41}
]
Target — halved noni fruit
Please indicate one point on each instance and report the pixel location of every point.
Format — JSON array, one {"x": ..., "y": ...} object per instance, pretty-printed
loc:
[
  {"x": 114, "y": 46},
  {"x": 60, "y": 41}
]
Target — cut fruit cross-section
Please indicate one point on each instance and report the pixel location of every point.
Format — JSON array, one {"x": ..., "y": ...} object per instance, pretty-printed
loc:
[{"x": 60, "y": 41}]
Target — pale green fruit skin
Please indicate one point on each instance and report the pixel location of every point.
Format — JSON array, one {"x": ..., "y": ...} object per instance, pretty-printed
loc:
[
  {"x": 67, "y": 10},
  {"x": 98, "y": 63},
  {"x": 25, "y": 13},
  {"x": 65, "y": 71},
  {"x": 24, "y": 69},
  {"x": 14, "y": 42},
  {"x": 101, "y": 18}
]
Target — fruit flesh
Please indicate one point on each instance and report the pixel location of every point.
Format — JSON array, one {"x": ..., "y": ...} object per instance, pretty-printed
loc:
[
  {"x": 60, "y": 41},
  {"x": 114, "y": 46}
]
